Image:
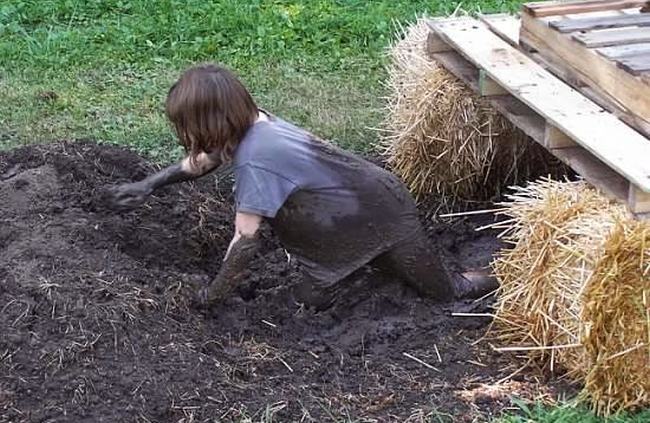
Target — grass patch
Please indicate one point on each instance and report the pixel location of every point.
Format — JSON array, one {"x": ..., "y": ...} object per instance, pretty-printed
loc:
[
  {"x": 569, "y": 413},
  {"x": 100, "y": 69}
]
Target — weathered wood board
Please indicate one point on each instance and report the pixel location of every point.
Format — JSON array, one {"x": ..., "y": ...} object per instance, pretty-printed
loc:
[{"x": 555, "y": 8}]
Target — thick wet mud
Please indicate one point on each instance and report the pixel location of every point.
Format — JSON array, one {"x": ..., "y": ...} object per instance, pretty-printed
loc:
[{"x": 97, "y": 320}]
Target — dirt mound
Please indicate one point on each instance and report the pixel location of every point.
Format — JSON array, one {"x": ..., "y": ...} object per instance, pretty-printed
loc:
[{"x": 97, "y": 323}]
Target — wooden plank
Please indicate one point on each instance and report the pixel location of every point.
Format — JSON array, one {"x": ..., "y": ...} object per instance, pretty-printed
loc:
[
  {"x": 639, "y": 201},
  {"x": 460, "y": 67},
  {"x": 613, "y": 37},
  {"x": 636, "y": 65},
  {"x": 487, "y": 86},
  {"x": 552, "y": 8},
  {"x": 599, "y": 132},
  {"x": 522, "y": 116},
  {"x": 623, "y": 89},
  {"x": 555, "y": 138},
  {"x": 595, "y": 172},
  {"x": 507, "y": 28},
  {"x": 609, "y": 22},
  {"x": 628, "y": 50},
  {"x": 504, "y": 25},
  {"x": 436, "y": 45}
]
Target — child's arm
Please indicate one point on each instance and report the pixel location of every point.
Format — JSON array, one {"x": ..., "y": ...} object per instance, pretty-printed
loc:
[
  {"x": 241, "y": 252},
  {"x": 186, "y": 170},
  {"x": 134, "y": 194}
]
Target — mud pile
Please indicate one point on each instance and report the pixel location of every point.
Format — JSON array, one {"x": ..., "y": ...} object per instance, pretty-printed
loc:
[{"x": 97, "y": 322}]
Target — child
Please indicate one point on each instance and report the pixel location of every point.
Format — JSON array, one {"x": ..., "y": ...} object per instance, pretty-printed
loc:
[{"x": 333, "y": 211}]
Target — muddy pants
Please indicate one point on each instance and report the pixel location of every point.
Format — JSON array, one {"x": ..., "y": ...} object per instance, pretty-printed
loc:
[{"x": 413, "y": 260}]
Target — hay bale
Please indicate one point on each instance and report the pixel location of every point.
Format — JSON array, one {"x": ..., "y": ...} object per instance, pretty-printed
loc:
[
  {"x": 617, "y": 306},
  {"x": 443, "y": 139},
  {"x": 575, "y": 290}
]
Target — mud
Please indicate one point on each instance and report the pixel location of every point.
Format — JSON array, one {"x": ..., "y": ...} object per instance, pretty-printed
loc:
[{"x": 97, "y": 322}]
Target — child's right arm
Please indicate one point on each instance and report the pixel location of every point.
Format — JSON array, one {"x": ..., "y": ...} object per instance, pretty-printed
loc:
[{"x": 134, "y": 194}]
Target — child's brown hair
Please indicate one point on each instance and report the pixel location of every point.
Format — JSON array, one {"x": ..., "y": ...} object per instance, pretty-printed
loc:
[{"x": 210, "y": 110}]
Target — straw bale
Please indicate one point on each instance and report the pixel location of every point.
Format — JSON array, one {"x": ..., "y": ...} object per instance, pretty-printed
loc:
[
  {"x": 575, "y": 290},
  {"x": 617, "y": 307},
  {"x": 443, "y": 139}
]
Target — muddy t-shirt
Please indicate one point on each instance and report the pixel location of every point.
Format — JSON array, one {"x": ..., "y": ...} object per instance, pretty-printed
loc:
[{"x": 333, "y": 211}]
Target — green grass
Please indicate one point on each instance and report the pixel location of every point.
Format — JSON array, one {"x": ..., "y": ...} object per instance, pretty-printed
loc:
[
  {"x": 569, "y": 413},
  {"x": 110, "y": 63},
  {"x": 100, "y": 69}
]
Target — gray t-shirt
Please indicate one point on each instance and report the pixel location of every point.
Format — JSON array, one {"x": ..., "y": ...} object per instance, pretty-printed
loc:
[{"x": 331, "y": 210}]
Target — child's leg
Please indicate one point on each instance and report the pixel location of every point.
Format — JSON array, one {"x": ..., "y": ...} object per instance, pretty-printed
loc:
[
  {"x": 420, "y": 266},
  {"x": 415, "y": 261}
]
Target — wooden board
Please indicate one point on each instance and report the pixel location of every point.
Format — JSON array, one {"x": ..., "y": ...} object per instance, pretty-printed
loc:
[
  {"x": 505, "y": 26},
  {"x": 636, "y": 65},
  {"x": 605, "y": 22},
  {"x": 585, "y": 123},
  {"x": 628, "y": 50},
  {"x": 613, "y": 37},
  {"x": 599, "y": 175},
  {"x": 554, "y": 8},
  {"x": 639, "y": 200}
]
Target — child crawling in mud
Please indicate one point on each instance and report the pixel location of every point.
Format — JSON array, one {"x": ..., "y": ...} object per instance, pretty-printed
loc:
[{"x": 333, "y": 211}]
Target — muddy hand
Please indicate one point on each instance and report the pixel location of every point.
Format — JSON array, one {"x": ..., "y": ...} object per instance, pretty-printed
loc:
[
  {"x": 205, "y": 297},
  {"x": 201, "y": 298},
  {"x": 232, "y": 271},
  {"x": 211, "y": 295},
  {"x": 218, "y": 290},
  {"x": 128, "y": 196}
]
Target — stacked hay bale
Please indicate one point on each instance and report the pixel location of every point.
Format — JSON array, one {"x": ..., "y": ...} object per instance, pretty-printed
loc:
[
  {"x": 443, "y": 139},
  {"x": 575, "y": 290}
]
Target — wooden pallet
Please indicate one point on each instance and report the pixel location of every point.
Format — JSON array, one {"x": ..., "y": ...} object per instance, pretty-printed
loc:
[
  {"x": 604, "y": 45},
  {"x": 594, "y": 142}
]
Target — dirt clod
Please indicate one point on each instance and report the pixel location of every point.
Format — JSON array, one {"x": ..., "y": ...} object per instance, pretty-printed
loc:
[{"x": 97, "y": 320}]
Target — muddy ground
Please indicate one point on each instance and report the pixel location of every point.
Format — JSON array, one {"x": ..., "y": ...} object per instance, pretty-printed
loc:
[{"x": 97, "y": 322}]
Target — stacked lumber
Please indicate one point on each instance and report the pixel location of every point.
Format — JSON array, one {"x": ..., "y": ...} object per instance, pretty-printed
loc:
[{"x": 604, "y": 45}]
